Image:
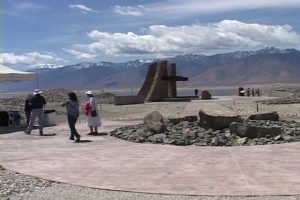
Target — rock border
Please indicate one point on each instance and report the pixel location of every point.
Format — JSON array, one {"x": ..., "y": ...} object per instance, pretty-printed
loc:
[{"x": 190, "y": 131}]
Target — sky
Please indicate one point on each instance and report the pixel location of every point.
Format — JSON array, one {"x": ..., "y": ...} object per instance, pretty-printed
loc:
[{"x": 64, "y": 32}]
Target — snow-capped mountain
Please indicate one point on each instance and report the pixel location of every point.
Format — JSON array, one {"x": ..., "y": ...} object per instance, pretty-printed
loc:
[
  {"x": 46, "y": 66},
  {"x": 269, "y": 65}
]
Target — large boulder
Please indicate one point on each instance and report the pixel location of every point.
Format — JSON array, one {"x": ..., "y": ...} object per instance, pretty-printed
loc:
[
  {"x": 154, "y": 122},
  {"x": 253, "y": 131},
  {"x": 205, "y": 94},
  {"x": 273, "y": 116},
  {"x": 217, "y": 122}
]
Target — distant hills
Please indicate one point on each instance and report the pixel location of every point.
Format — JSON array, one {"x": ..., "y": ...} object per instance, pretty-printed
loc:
[{"x": 265, "y": 66}]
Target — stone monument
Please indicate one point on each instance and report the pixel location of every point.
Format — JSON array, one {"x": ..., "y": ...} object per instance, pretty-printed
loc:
[{"x": 160, "y": 82}]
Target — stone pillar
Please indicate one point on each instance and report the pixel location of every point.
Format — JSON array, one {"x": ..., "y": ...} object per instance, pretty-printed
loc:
[{"x": 172, "y": 87}]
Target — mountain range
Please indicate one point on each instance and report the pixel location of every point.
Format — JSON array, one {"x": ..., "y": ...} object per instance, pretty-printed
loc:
[{"x": 265, "y": 66}]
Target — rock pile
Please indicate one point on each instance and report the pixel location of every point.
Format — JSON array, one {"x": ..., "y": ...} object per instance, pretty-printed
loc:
[{"x": 188, "y": 131}]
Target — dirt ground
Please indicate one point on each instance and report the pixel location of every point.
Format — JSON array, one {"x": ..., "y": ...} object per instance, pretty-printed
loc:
[
  {"x": 108, "y": 111},
  {"x": 168, "y": 109}
]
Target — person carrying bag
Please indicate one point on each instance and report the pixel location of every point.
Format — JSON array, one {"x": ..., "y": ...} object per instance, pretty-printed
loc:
[{"x": 93, "y": 119}]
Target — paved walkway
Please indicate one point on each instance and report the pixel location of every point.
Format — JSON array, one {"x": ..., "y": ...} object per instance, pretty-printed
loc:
[{"x": 109, "y": 163}]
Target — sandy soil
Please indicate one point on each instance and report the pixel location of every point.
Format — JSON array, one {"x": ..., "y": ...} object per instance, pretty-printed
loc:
[
  {"x": 249, "y": 107},
  {"x": 168, "y": 109},
  {"x": 109, "y": 111}
]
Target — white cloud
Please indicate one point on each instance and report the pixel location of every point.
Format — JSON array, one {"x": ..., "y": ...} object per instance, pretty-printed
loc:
[
  {"x": 225, "y": 36},
  {"x": 28, "y": 59},
  {"x": 129, "y": 10},
  {"x": 82, "y": 8},
  {"x": 23, "y": 6},
  {"x": 191, "y": 7},
  {"x": 80, "y": 55}
]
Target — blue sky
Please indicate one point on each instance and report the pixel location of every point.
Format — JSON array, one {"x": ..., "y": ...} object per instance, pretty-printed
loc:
[{"x": 63, "y": 32}]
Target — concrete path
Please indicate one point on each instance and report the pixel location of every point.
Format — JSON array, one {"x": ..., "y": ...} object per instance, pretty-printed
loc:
[{"x": 109, "y": 163}]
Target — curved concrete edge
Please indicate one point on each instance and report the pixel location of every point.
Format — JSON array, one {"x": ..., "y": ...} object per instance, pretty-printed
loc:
[{"x": 113, "y": 164}]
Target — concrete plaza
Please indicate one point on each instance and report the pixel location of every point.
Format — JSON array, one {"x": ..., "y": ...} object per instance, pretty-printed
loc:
[{"x": 109, "y": 163}]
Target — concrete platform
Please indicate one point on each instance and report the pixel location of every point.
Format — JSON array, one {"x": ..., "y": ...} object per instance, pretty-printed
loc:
[{"x": 109, "y": 163}]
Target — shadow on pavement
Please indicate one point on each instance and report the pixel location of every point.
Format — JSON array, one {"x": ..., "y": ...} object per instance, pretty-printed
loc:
[
  {"x": 99, "y": 134},
  {"x": 48, "y": 134},
  {"x": 6, "y": 129},
  {"x": 83, "y": 141}
]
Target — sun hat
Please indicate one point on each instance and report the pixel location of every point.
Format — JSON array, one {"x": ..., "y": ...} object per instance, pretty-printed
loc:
[
  {"x": 37, "y": 91},
  {"x": 89, "y": 92}
]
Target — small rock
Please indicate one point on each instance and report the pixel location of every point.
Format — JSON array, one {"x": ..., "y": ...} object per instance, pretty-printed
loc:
[
  {"x": 228, "y": 135},
  {"x": 278, "y": 137},
  {"x": 287, "y": 138},
  {"x": 215, "y": 141},
  {"x": 201, "y": 144},
  {"x": 241, "y": 141}
]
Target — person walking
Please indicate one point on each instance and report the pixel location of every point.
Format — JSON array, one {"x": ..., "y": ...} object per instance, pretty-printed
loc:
[
  {"x": 252, "y": 92},
  {"x": 196, "y": 91},
  {"x": 37, "y": 103},
  {"x": 27, "y": 109},
  {"x": 72, "y": 107},
  {"x": 258, "y": 93},
  {"x": 93, "y": 119},
  {"x": 248, "y": 92}
]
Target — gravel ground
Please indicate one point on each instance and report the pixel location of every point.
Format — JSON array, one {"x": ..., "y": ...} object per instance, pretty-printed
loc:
[{"x": 15, "y": 186}]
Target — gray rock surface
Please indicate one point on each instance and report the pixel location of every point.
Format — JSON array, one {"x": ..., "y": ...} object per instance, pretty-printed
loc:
[
  {"x": 217, "y": 122},
  {"x": 273, "y": 116},
  {"x": 254, "y": 131},
  {"x": 205, "y": 94},
  {"x": 154, "y": 121}
]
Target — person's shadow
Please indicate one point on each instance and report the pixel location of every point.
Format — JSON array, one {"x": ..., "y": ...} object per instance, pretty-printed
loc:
[
  {"x": 83, "y": 141},
  {"x": 48, "y": 134},
  {"x": 99, "y": 134}
]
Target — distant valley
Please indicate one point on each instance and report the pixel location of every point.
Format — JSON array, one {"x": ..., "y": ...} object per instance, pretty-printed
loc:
[{"x": 265, "y": 66}]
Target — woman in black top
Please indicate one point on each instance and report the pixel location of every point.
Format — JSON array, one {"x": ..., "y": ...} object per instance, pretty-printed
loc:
[{"x": 72, "y": 107}]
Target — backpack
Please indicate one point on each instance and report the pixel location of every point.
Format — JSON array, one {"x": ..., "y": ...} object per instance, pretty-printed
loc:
[{"x": 86, "y": 108}]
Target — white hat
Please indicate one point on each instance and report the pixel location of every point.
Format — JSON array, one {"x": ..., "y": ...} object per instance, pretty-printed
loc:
[
  {"x": 89, "y": 92},
  {"x": 37, "y": 91}
]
